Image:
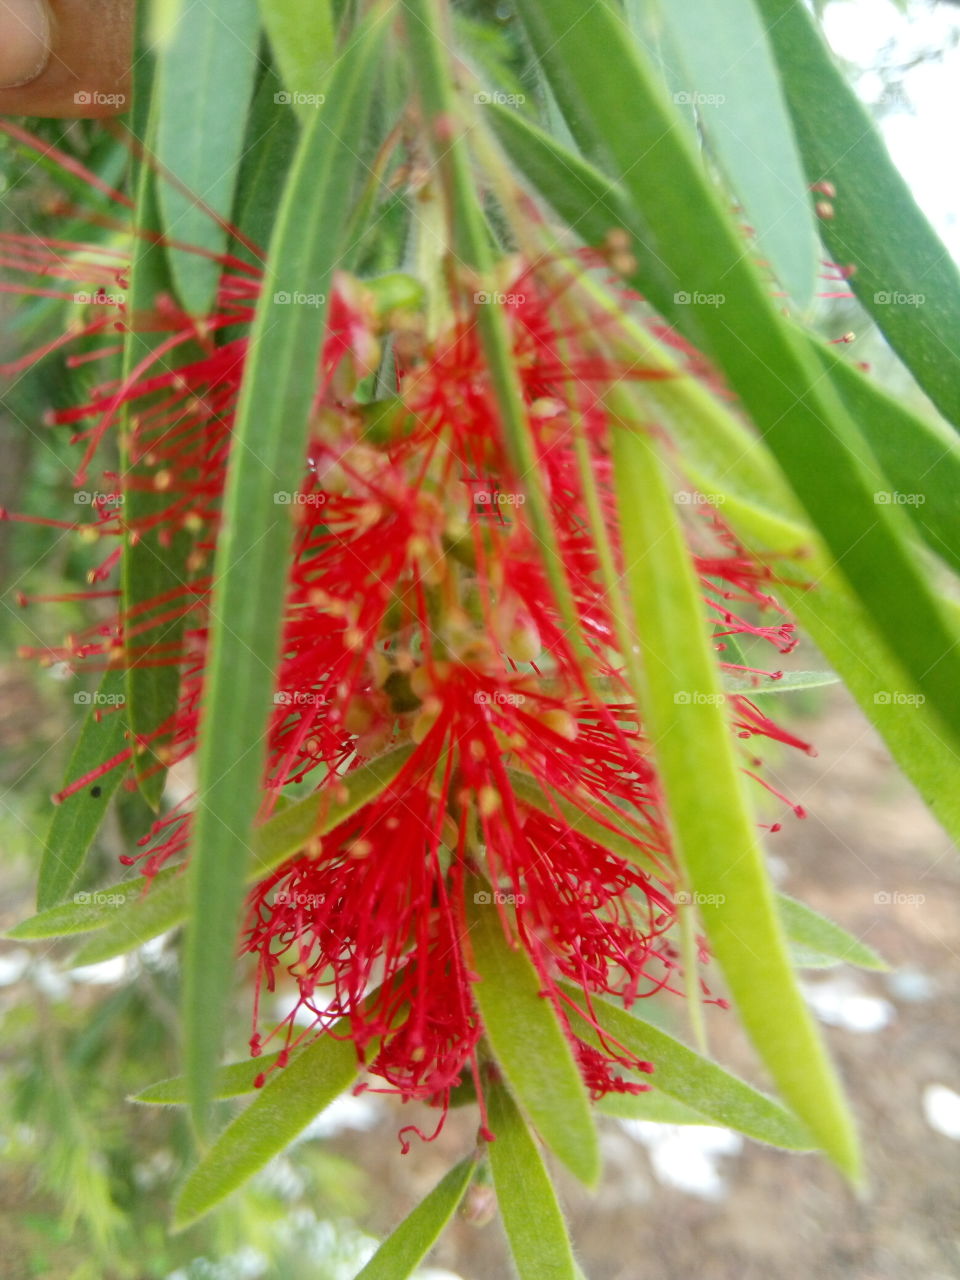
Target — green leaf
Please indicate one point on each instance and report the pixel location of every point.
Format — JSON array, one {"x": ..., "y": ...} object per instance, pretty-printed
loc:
[
  {"x": 89, "y": 910},
  {"x": 654, "y": 1106},
  {"x": 876, "y": 225},
  {"x": 694, "y": 270},
  {"x": 268, "y": 151},
  {"x": 302, "y": 37},
  {"x": 205, "y": 77},
  {"x": 528, "y": 1042},
  {"x": 403, "y": 1251},
  {"x": 714, "y": 831},
  {"x": 150, "y": 571},
  {"x": 255, "y": 541},
  {"x": 681, "y": 1074},
  {"x": 77, "y": 819},
  {"x": 733, "y": 81},
  {"x": 142, "y": 918},
  {"x": 789, "y": 682},
  {"x": 822, "y": 943},
  {"x": 283, "y": 1108},
  {"x": 532, "y": 1219},
  {"x": 232, "y": 1081}
]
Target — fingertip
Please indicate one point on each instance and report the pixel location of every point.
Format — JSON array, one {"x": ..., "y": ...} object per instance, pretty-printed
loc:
[{"x": 25, "y": 47}]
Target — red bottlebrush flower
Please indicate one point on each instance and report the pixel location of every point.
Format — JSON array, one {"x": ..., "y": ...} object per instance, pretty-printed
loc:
[{"x": 419, "y": 612}]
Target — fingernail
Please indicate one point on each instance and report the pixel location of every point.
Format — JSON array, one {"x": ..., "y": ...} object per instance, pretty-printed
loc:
[{"x": 24, "y": 41}]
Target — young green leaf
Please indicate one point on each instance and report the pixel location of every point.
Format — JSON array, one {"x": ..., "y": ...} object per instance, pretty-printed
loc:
[
  {"x": 653, "y": 1105},
  {"x": 904, "y": 277},
  {"x": 697, "y": 274},
  {"x": 302, "y": 36},
  {"x": 233, "y": 1081},
  {"x": 532, "y": 1219},
  {"x": 528, "y": 1042},
  {"x": 166, "y": 905},
  {"x": 681, "y": 1074},
  {"x": 149, "y": 571},
  {"x": 205, "y": 79},
  {"x": 89, "y": 910},
  {"x": 732, "y": 80},
  {"x": 403, "y": 1251},
  {"x": 283, "y": 1107},
  {"x": 77, "y": 819},
  {"x": 253, "y": 550},
  {"x": 714, "y": 830},
  {"x": 819, "y": 943}
]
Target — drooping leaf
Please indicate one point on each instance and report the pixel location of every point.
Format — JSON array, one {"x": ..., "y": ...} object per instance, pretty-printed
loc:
[
  {"x": 205, "y": 77},
  {"x": 528, "y": 1042},
  {"x": 282, "y": 1109},
  {"x": 89, "y": 910},
  {"x": 403, "y": 1251},
  {"x": 536, "y": 1231},
  {"x": 166, "y": 906},
  {"x": 256, "y": 536},
  {"x": 302, "y": 35},
  {"x": 696, "y": 1082},
  {"x": 819, "y": 943},
  {"x": 653, "y": 1105},
  {"x": 233, "y": 1081},
  {"x": 714, "y": 831},
  {"x": 77, "y": 819},
  {"x": 696, "y": 273},
  {"x": 904, "y": 276},
  {"x": 732, "y": 82}
]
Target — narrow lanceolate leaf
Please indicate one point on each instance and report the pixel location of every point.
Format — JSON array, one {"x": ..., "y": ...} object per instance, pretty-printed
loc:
[
  {"x": 904, "y": 275},
  {"x": 818, "y": 942},
  {"x": 687, "y": 1077},
  {"x": 697, "y": 274},
  {"x": 919, "y": 458},
  {"x": 653, "y": 1106},
  {"x": 528, "y": 1042},
  {"x": 789, "y": 682},
  {"x": 233, "y": 1081},
  {"x": 302, "y": 36},
  {"x": 205, "y": 78},
  {"x": 268, "y": 151},
  {"x": 714, "y": 830},
  {"x": 89, "y": 910},
  {"x": 283, "y": 1108},
  {"x": 149, "y": 571},
  {"x": 403, "y": 1251},
  {"x": 270, "y": 438},
  {"x": 127, "y": 914},
  {"x": 732, "y": 82},
  {"x": 532, "y": 1219},
  {"x": 77, "y": 819}
]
